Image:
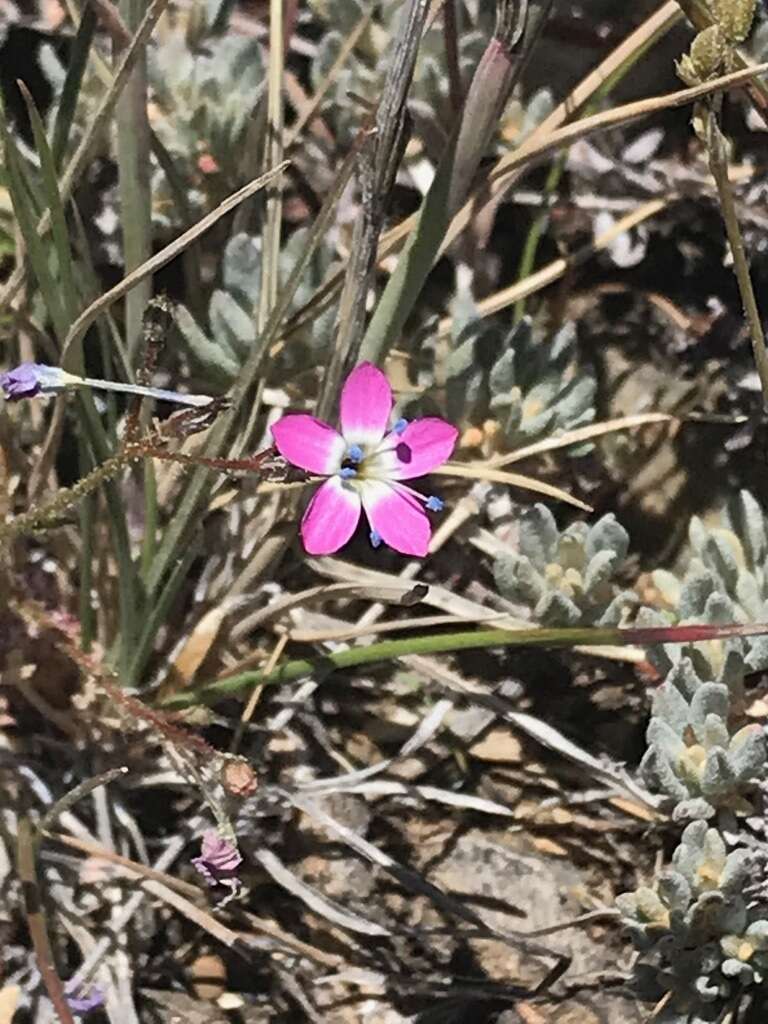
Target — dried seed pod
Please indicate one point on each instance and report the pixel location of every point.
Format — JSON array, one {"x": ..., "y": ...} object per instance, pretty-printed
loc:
[{"x": 238, "y": 777}]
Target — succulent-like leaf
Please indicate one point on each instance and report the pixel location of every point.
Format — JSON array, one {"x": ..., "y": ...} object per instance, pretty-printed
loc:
[
  {"x": 539, "y": 535},
  {"x": 748, "y": 522},
  {"x": 674, "y": 890},
  {"x": 216, "y": 357},
  {"x": 670, "y": 705},
  {"x": 696, "y": 589},
  {"x": 658, "y": 773},
  {"x": 718, "y": 779},
  {"x": 555, "y": 609},
  {"x": 516, "y": 578},
  {"x": 747, "y": 753},
  {"x": 739, "y": 865},
  {"x": 695, "y": 809},
  {"x": 231, "y": 325},
  {"x": 709, "y": 699},
  {"x": 608, "y": 534}
]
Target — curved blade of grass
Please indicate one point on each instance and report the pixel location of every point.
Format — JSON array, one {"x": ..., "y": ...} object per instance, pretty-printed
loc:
[
  {"x": 448, "y": 643},
  {"x": 482, "y": 471},
  {"x": 581, "y": 434}
]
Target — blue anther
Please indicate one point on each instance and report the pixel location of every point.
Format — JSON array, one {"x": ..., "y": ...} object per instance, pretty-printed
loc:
[
  {"x": 355, "y": 453},
  {"x": 347, "y": 473},
  {"x": 400, "y": 426},
  {"x": 375, "y": 539},
  {"x": 435, "y": 504}
]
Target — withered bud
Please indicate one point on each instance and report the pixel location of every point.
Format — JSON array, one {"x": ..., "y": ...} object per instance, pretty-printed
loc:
[
  {"x": 734, "y": 17},
  {"x": 708, "y": 52},
  {"x": 238, "y": 777}
]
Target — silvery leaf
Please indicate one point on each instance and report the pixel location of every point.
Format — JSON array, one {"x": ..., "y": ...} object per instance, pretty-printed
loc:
[
  {"x": 608, "y": 534},
  {"x": 718, "y": 779}
]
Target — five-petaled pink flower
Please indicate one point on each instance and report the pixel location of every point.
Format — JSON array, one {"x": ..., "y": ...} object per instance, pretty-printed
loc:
[{"x": 364, "y": 465}]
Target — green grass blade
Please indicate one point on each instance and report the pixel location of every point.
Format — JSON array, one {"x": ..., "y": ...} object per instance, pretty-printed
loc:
[
  {"x": 26, "y": 217},
  {"x": 449, "y": 643},
  {"x": 59, "y": 228},
  {"x": 78, "y": 61}
]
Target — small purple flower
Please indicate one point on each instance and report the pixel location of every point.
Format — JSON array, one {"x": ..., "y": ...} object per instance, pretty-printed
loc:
[
  {"x": 29, "y": 379},
  {"x": 83, "y": 1000},
  {"x": 218, "y": 861}
]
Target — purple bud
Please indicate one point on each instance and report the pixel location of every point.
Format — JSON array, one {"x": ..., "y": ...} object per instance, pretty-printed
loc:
[
  {"x": 218, "y": 861},
  {"x": 29, "y": 379},
  {"x": 81, "y": 1000}
]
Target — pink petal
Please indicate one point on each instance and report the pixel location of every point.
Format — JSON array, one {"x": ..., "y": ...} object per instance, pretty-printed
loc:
[
  {"x": 397, "y": 517},
  {"x": 331, "y": 517},
  {"x": 424, "y": 445},
  {"x": 309, "y": 443},
  {"x": 366, "y": 404}
]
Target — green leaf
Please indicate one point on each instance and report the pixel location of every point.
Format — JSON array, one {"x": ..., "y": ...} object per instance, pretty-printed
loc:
[
  {"x": 216, "y": 357},
  {"x": 26, "y": 218},
  {"x": 76, "y": 66},
  {"x": 59, "y": 228},
  {"x": 232, "y": 327}
]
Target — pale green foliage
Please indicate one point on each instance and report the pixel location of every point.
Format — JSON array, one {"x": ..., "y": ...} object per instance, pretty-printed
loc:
[
  {"x": 695, "y": 926},
  {"x": 569, "y": 577},
  {"x": 364, "y": 77},
  {"x": 221, "y": 346},
  {"x": 695, "y": 756},
  {"x": 531, "y": 384},
  {"x": 701, "y": 939},
  {"x": 726, "y": 579}
]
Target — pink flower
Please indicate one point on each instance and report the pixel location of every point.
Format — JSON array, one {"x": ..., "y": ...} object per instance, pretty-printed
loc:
[{"x": 364, "y": 465}]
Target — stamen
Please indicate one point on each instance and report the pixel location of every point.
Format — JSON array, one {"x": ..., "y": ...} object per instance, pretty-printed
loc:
[
  {"x": 435, "y": 504},
  {"x": 355, "y": 453},
  {"x": 375, "y": 539},
  {"x": 347, "y": 473},
  {"x": 400, "y": 426}
]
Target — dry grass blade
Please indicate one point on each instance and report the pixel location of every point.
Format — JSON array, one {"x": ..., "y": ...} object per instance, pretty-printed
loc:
[
  {"x": 480, "y": 471},
  {"x": 33, "y": 904},
  {"x": 557, "y": 268},
  {"x": 581, "y": 434},
  {"x": 505, "y": 171},
  {"x": 173, "y": 249},
  {"x": 414, "y": 882},
  {"x": 313, "y": 899},
  {"x": 343, "y": 633}
]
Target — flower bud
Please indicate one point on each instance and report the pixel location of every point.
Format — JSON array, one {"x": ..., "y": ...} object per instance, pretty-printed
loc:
[
  {"x": 708, "y": 52},
  {"x": 734, "y": 17},
  {"x": 238, "y": 777}
]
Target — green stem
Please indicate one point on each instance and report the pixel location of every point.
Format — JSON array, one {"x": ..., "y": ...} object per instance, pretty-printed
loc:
[
  {"x": 537, "y": 229},
  {"x": 469, "y": 640},
  {"x": 718, "y": 164}
]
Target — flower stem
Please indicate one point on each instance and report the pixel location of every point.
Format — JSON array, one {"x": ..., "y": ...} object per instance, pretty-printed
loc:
[
  {"x": 446, "y": 643},
  {"x": 718, "y": 164},
  {"x": 138, "y": 389}
]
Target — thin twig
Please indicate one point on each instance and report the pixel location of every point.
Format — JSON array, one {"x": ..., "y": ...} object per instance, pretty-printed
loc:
[{"x": 718, "y": 163}]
